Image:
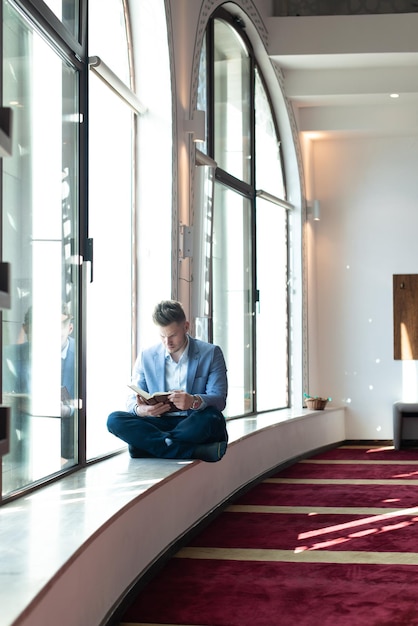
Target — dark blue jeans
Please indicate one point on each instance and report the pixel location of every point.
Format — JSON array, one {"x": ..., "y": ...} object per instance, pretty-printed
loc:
[{"x": 146, "y": 435}]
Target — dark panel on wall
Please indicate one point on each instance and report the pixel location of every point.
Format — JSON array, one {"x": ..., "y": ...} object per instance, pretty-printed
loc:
[{"x": 405, "y": 316}]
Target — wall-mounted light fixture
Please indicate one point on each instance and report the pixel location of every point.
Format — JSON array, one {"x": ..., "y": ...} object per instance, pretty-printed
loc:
[
  {"x": 314, "y": 210},
  {"x": 196, "y": 126}
]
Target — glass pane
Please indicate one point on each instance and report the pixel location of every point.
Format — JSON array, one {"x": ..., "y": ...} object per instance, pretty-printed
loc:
[
  {"x": 232, "y": 103},
  {"x": 68, "y": 12},
  {"x": 269, "y": 174},
  {"x": 110, "y": 295},
  {"x": 107, "y": 36},
  {"x": 40, "y": 208},
  {"x": 202, "y": 263},
  {"x": 272, "y": 336},
  {"x": 232, "y": 294},
  {"x": 271, "y": 230},
  {"x": 202, "y": 92}
]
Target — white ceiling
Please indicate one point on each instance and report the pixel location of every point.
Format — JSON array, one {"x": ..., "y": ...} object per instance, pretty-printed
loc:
[
  {"x": 346, "y": 70},
  {"x": 349, "y": 60}
]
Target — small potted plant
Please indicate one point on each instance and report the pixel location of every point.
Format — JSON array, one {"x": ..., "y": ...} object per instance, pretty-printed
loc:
[{"x": 316, "y": 402}]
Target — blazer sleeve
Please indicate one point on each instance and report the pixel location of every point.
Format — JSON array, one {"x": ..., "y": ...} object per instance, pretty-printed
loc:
[
  {"x": 207, "y": 374},
  {"x": 148, "y": 373},
  {"x": 136, "y": 379},
  {"x": 210, "y": 379}
]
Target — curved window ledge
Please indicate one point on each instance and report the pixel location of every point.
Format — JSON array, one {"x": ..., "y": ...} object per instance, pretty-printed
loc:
[{"x": 70, "y": 551}]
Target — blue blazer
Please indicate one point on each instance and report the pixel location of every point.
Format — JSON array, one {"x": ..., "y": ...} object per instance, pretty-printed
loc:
[
  {"x": 206, "y": 373},
  {"x": 17, "y": 368},
  {"x": 67, "y": 369}
]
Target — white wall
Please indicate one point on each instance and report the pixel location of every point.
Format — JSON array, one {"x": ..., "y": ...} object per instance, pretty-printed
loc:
[{"x": 368, "y": 189}]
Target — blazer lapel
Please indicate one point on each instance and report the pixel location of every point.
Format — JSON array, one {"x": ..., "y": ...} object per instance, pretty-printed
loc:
[
  {"x": 159, "y": 369},
  {"x": 193, "y": 362}
]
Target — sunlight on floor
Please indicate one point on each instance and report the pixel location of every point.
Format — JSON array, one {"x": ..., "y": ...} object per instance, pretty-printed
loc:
[{"x": 409, "y": 381}]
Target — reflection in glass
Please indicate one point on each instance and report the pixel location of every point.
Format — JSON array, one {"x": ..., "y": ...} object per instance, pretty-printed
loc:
[{"x": 40, "y": 242}]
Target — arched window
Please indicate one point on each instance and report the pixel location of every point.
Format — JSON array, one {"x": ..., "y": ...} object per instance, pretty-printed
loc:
[{"x": 247, "y": 299}]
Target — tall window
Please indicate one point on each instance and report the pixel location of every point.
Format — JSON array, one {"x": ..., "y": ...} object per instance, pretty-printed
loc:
[
  {"x": 248, "y": 294},
  {"x": 272, "y": 259},
  {"x": 45, "y": 230},
  {"x": 71, "y": 233},
  {"x": 40, "y": 242},
  {"x": 111, "y": 287}
]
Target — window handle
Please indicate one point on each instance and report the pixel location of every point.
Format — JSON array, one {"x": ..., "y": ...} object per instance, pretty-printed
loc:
[{"x": 89, "y": 256}]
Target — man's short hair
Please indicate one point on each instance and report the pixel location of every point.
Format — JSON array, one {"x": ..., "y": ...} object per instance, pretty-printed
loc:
[
  {"x": 27, "y": 321},
  {"x": 65, "y": 311},
  {"x": 167, "y": 312}
]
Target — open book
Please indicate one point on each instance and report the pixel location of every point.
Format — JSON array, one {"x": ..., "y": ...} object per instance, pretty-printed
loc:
[{"x": 154, "y": 398}]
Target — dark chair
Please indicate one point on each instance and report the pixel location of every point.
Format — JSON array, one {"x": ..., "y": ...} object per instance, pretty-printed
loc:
[{"x": 402, "y": 410}]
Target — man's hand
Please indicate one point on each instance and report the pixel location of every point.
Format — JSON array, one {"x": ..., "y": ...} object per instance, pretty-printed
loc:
[
  {"x": 152, "y": 410},
  {"x": 182, "y": 400},
  {"x": 66, "y": 410}
]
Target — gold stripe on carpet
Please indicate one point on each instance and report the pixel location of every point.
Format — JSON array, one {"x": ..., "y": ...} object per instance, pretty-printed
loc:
[
  {"x": 354, "y": 462},
  {"x": 362, "y": 446},
  {"x": 304, "y": 556},
  {"x": 152, "y": 624},
  {"x": 323, "y": 510},
  {"x": 341, "y": 481}
]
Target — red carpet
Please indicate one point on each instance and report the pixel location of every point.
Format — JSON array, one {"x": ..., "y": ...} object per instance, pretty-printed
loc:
[{"x": 330, "y": 541}]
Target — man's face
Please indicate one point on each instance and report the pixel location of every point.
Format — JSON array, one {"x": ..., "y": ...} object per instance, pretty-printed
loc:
[
  {"x": 66, "y": 329},
  {"x": 173, "y": 336}
]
